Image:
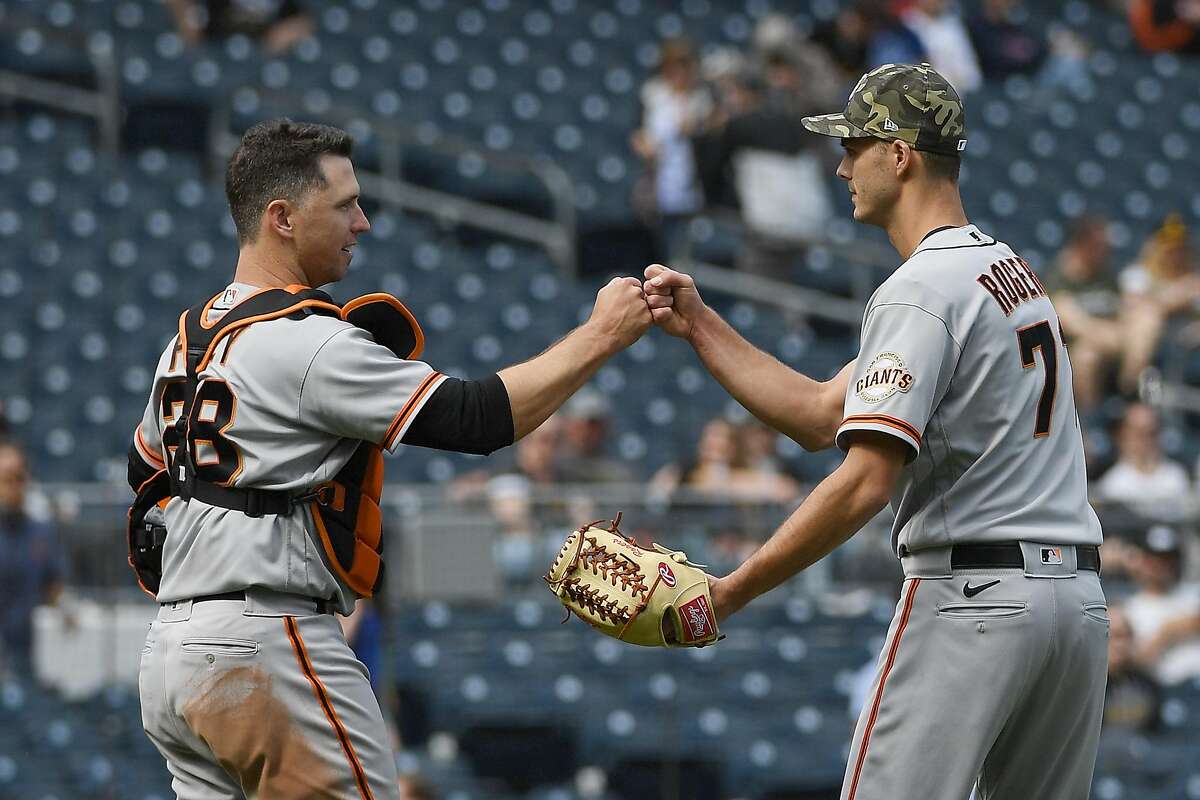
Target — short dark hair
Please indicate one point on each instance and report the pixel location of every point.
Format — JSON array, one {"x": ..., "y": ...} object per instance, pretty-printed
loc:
[
  {"x": 941, "y": 166},
  {"x": 277, "y": 159}
]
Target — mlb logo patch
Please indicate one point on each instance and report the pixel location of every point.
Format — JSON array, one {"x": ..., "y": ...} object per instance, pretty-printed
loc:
[{"x": 1052, "y": 555}]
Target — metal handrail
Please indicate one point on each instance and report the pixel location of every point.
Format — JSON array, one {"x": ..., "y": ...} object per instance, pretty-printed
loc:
[
  {"x": 102, "y": 103},
  {"x": 557, "y": 235}
]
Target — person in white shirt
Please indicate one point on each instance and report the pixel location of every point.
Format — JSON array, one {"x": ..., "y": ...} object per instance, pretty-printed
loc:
[
  {"x": 1165, "y": 612},
  {"x": 943, "y": 34},
  {"x": 1143, "y": 478}
]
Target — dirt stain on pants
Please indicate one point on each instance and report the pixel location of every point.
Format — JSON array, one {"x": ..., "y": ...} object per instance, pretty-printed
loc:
[{"x": 253, "y": 736}]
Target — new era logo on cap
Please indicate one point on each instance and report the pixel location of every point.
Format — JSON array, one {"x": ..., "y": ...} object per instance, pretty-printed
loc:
[{"x": 888, "y": 125}]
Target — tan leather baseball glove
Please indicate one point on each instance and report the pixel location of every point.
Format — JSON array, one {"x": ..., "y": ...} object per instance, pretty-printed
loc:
[{"x": 630, "y": 593}]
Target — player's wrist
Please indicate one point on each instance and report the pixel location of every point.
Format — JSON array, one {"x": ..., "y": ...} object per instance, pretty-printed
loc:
[{"x": 702, "y": 325}]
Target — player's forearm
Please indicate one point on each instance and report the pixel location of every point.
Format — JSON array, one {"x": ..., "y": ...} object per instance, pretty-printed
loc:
[
  {"x": 536, "y": 388},
  {"x": 835, "y": 510},
  {"x": 806, "y": 410}
]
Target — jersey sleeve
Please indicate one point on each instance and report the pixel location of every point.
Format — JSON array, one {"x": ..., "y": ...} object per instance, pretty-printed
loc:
[
  {"x": 358, "y": 389},
  {"x": 902, "y": 371},
  {"x": 147, "y": 442}
]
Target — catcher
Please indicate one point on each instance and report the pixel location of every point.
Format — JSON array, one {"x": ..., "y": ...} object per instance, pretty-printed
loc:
[{"x": 261, "y": 445}]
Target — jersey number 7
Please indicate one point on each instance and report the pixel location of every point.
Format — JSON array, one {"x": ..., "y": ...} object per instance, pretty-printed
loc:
[{"x": 1030, "y": 339}]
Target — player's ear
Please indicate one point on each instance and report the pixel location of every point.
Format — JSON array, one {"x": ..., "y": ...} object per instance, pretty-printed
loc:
[
  {"x": 278, "y": 218},
  {"x": 902, "y": 156}
]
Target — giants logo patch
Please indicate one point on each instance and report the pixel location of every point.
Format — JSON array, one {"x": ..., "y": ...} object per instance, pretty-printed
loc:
[
  {"x": 884, "y": 377},
  {"x": 668, "y": 577},
  {"x": 698, "y": 620}
]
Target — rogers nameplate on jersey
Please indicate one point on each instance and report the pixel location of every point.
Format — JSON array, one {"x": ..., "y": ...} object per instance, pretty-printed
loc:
[{"x": 885, "y": 376}]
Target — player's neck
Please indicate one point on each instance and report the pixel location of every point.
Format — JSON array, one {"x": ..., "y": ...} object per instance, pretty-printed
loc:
[
  {"x": 918, "y": 213},
  {"x": 267, "y": 268}
]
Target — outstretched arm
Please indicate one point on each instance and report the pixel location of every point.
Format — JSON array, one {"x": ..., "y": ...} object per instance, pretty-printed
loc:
[
  {"x": 836, "y": 510},
  {"x": 536, "y": 388},
  {"x": 807, "y": 410}
]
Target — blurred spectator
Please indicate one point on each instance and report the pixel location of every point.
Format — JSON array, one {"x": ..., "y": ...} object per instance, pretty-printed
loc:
[
  {"x": 1133, "y": 696},
  {"x": 847, "y": 37},
  {"x": 1085, "y": 294},
  {"x": 519, "y": 549},
  {"x": 1003, "y": 46},
  {"x": 536, "y": 455},
  {"x": 722, "y": 468},
  {"x": 947, "y": 45},
  {"x": 1161, "y": 287},
  {"x": 799, "y": 75},
  {"x": 1164, "y": 613},
  {"x": 674, "y": 105},
  {"x": 1143, "y": 477},
  {"x": 712, "y": 469},
  {"x": 891, "y": 42},
  {"x": 587, "y": 434},
  {"x": 778, "y": 182},
  {"x": 1166, "y": 25},
  {"x": 535, "y": 458},
  {"x": 765, "y": 473},
  {"x": 32, "y": 565},
  {"x": 415, "y": 788},
  {"x": 277, "y": 24}
]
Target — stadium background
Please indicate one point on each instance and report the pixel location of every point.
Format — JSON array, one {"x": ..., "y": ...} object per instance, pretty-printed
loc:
[{"x": 494, "y": 150}]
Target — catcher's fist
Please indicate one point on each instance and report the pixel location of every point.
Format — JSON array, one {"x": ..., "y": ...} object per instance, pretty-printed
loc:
[
  {"x": 673, "y": 300},
  {"x": 620, "y": 313}
]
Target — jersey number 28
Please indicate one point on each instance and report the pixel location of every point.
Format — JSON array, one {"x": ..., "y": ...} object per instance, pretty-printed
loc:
[
  {"x": 1031, "y": 339},
  {"x": 217, "y": 459}
]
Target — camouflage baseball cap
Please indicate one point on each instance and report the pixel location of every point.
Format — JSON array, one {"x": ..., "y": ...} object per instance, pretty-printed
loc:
[{"x": 909, "y": 102}]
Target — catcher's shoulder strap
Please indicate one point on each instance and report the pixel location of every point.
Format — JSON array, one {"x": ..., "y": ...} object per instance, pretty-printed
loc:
[{"x": 198, "y": 340}]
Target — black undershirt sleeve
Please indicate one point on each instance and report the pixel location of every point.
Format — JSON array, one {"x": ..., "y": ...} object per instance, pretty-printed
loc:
[{"x": 465, "y": 417}]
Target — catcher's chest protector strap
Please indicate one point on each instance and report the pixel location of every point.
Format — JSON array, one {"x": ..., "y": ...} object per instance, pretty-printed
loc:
[{"x": 346, "y": 508}]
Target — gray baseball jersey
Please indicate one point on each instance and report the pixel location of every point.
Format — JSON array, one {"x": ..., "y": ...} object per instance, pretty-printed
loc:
[
  {"x": 305, "y": 393},
  {"x": 962, "y": 359}
]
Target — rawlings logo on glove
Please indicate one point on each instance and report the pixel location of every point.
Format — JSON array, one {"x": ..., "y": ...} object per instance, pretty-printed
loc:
[{"x": 632, "y": 594}]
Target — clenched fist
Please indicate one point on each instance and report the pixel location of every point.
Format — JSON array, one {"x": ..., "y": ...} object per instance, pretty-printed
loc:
[
  {"x": 620, "y": 313},
  {"x": 673, "y": 300}
]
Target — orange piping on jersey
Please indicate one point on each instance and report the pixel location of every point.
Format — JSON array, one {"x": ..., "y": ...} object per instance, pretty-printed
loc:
[
  {"x": 283, "y": 312},
  {"x": 884, "y": 419},
  {"x": 180, "y": 346},
  {"x": 296, "y": 287},
  {"x": 182, "y": 340},
  {"x": 148, "y": 455},
  {"x": 396, "y": 304},
  {"x": 887, "y": 668},
  {"x": 406, "y": 412},
  {"x": 360, "y": 778}
]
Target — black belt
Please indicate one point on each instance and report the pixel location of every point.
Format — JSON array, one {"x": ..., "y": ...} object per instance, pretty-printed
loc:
[
  {"x": 323, "y": 606},
  {"x": 1008, "y": 554}
]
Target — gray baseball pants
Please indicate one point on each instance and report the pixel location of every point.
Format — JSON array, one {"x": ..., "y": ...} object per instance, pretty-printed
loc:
[
  {"x": 262, "y": 698},
  {"x": 1001, "y": 687}
]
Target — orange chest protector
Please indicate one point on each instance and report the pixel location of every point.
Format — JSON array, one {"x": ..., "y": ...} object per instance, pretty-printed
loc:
[{"x": 345, "y": 510}]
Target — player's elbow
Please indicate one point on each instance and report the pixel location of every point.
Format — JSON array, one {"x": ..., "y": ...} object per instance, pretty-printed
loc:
[{"x": 822, "y": 421}]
